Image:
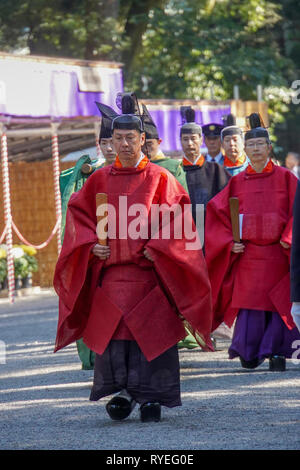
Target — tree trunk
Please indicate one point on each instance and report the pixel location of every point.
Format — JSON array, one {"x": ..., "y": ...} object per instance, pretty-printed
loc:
[{"x": 135, "y": 26}]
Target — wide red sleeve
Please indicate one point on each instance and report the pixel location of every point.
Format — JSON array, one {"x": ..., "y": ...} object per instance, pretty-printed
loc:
[
  {"x": 180, "y": 265},
  {"x": 219, "y": 257},
  {"x": 280, "y": 294},
  {"x": 76, "y": 272}
]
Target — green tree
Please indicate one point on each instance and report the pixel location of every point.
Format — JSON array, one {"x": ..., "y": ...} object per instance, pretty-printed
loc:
[
  {"x": 288, "y": 37},
  {"x": 195, "y": 46},
  {"x": 83, "y": 29},
  {"x": 200, "y": 49}
]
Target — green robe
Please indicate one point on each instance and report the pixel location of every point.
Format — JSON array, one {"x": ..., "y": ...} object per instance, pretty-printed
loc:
[{"x": 174, "y": 166}]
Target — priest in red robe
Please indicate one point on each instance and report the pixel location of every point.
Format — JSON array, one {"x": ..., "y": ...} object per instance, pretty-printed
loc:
[
  {"x": 130, "y": 300},
  {"x": 250, "y": 279}
]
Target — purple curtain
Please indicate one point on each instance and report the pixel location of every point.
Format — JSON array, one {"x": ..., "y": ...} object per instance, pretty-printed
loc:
[
  {"x": 41, "y": 89},
  {"x": 168, "y": 122}
]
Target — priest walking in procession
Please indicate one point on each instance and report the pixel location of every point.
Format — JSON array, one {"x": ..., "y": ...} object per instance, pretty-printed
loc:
[
  {"x": 204, "y": 178},
  {"x": 250, "y": 270},
  {"x": 235, "y": 158},
  {"x": 152, "y": 149},
  {"x": 131, "y": 294}
]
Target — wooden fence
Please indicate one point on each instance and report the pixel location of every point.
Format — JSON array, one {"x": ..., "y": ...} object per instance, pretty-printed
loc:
[{"x": 33, "y": 211}]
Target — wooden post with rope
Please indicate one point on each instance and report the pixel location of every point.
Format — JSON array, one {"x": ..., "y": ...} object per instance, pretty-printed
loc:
[
  {"x": 56, "y": 172},
  {"x": 7, "y": 215}
]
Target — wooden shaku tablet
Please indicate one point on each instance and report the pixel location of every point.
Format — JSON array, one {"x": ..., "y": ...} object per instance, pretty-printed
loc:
[
  {"x": 101, "y": 200},
  {"x": 235, "y": 221}
]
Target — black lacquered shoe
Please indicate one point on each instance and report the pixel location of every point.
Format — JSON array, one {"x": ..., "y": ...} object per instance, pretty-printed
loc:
[
  {"x": 120, "y": 407},
  {"x": 252, "y": 364},
  {"x": 150, "y": 411},
  {"x": 277, "y": 363}
]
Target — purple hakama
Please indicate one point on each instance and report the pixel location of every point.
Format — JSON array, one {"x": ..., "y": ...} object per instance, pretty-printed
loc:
[{"x": 259, "y": 334}]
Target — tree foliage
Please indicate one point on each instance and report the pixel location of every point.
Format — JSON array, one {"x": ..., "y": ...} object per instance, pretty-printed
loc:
[
  {"x": 86, "y": 29},
  {"x": 193, "y": 50}
]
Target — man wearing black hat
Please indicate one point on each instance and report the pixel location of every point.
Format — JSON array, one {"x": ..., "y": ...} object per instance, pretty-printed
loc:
[
  {"x": 235, "y": 159},
  {"x": 73, "y": 178},
  {"x": 105, "y": 137},
  {"x": 204, "y": 178},
  {"x": 249, "y": 267},
  {"x": 123, "y": 288},
  {"x": 154, "y": 153},
  {"x": 212, "y": 140}
]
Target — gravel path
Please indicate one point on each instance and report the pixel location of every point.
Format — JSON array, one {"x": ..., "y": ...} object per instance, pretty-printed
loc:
[{"x": 44, "y": 397}]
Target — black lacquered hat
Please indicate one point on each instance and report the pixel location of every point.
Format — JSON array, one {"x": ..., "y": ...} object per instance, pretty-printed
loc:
[
  {"x": 150, "y": 128},
  {"x": 230, "y": 127},
  {"x": 129, "y": 119},
  {"x": 107, "y": 117},
  {"x": 257, "y": 128},
  {"x": 189, "y": 126}
]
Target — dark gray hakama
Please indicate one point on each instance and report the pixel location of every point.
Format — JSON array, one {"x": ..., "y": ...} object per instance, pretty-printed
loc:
[{"x": 124, "y": 366}]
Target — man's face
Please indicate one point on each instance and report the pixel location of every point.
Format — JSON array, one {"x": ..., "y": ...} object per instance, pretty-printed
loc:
[
  {"x": 258, "y": 150},
  {"x": 213, "y": 144},
  {"x": 290, "y": 162},
  {"x": 151, "y": 147},
  {"x": 233, "y": 146},
  {"x": 191, "y": 145},
  {"x": 108, "y": 150},
  {"x": 128, "y": 145}
]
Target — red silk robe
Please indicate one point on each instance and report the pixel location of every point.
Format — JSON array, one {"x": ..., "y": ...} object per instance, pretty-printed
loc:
[
  {"x": 154, "y": 314},
  {"x": 259, "y": 278}
]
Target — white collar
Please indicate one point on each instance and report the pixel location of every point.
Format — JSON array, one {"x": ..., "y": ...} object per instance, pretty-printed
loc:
[{"x": 139, "y": 161}]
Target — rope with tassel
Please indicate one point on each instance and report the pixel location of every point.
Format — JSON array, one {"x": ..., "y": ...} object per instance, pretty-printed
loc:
[{"x": 7, "y": 217}]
